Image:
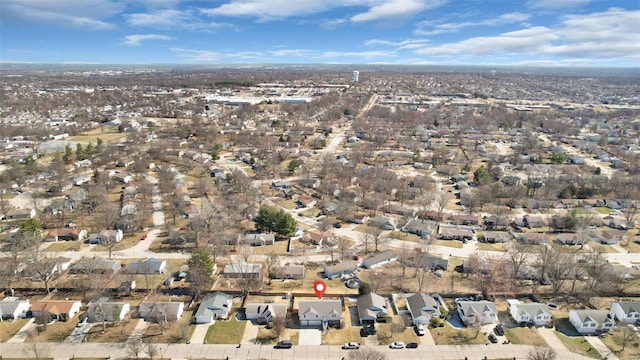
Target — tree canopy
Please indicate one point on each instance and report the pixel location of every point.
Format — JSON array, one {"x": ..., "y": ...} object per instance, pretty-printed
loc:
[{"x": 276, "y": 220}]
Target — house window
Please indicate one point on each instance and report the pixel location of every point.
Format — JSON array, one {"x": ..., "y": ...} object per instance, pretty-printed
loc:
[{"x": 636, "y": 315}]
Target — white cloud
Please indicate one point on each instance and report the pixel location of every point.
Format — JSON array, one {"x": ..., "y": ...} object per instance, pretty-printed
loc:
[
  {"x": 613, "y": 34},
  {"x": 136, "y": 39},
  {"x": 172, "y": 19},
  {"x": 404, "y": 44},
  {"x": 190, "y": 55},
  {"x": 426, "y": 28},
  {"x": 293, "y": 53},
  {"x": 358, "y": 54},
  {"x": 556, "y": 4},
  {"x": 396, "y": 8},
  {"x": 71, "y": 13},
  {"x": 269, "y": 10}
]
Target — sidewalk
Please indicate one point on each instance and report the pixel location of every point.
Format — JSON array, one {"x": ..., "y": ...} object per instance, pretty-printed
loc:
[{"x": 23, "y": 334}]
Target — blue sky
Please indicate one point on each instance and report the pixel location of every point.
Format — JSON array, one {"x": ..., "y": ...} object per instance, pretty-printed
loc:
[{"x": 603, "y": 33}]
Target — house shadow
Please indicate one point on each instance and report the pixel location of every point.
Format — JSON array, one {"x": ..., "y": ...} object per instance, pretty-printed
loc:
[
  {"x": 454, "y": 320},
  {"x": 566, "y": 328}
]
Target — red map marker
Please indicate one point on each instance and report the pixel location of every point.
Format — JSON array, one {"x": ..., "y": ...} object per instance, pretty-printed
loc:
[{"x": 319, "y": 287}]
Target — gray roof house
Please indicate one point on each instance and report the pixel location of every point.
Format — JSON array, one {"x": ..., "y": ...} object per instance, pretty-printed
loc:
[
  {"x": 384, "y": 223},
  {"x": 591, "y": 321},
  {"x": 423, "y": 308},
  {"x": 627, "y": 312},
  {"x": 418, "y": 227},
  {"x": 339, "y": 269},
  {"x": 483, "y": 312},
  {"x": 169, "y": 310},
  {"x": 242, "y": 270},
  {"x": 107, "y": 310},
  {"x": 372, "y": 307},
  {"x": 320, "y": 313},
  {"x": 259, "y": 239},
  {"x": 378, "y": 259},
  {"x": 294, "y": 272},
  {"x": 529, "y": 313},
  {"x": 147, "y": 266},
  {"x": 12, "y": 308},
  {"x": 263, "y": 313},
  {"x": 95, "y": 266},
  {"x": 214, "y": 306}
]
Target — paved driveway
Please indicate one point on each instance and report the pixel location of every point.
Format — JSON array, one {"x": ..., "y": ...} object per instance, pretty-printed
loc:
[
  {"x": 604, "y": 351},
  {"x": 551, "y": 338},
  {"x": 199, "y": 333},
  {"x": 310, "y": 337}
]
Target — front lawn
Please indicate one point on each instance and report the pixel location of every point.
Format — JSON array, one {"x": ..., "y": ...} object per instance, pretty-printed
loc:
[
  {"x": 575, "y": 342},
  {"x": 9, "y": 328},
  {"x": 175, "y": 332},
  {"x": 341, "y": 336},
  {"x": 523, "y": 336},
  {"x": 56, "y": 332},
  {"x": 115, "y": 333},
  {"x": 447, "y": 335},
  {"x": 449, "y": 243},
  {"x": 226, "y": 332},
  {"x": 63, "y": 246},
  {"x": 492, "y": 247},
  {"x": 631, "y": 351}
]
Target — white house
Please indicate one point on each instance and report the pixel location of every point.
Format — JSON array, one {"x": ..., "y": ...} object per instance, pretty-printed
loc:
[
  {"x": 591, "y": 321},
  {"x": 263, "y": 313},
  {"x": 320, "y": 313},
  {"x": 483, "y": 312},
  {"x": 103, "y": 309},
  {"x": 56, "y": 309},
  {"x": 529, "y": 313},
  {"x": 169, "y": 310},
  {"x": 147, "y": 266},
  {"x": 214, "y": 306},
  {"x": 11, "y": 308},
  {"x": 628, "y": 312}
]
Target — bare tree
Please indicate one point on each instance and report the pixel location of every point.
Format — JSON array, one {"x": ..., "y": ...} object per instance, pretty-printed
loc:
[
  {"x": 152, "y": 349},
  {"x": 368, "y": 353},
  {"x": 541, "y": 352},
  {"x": 42, "y": 268},
  {"x": 517, "y": 256},
  {"x": 557, "y": 270},
  {"x": 584, "y": 231},
  {"x": 343, "y": 245},
  {"x": 272, "y": 265},
  {"x": 366, "y": 237},
  {"x": 135, "y": 346},
  {"x": 630, "y": 216},
  {"x": 597, "y": 268},
  {"x": 279, "y": 325},
  {"x": 36, "y": 350},
  {"x": 624, "y": 336}
]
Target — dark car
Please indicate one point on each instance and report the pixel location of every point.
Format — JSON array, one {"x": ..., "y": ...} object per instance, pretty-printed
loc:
[
  {"x": 372, "y": 329},
  {"x": 284, "y": 344},
  {"x": 337, "y": 225},
  {"x": 493, "y": 339},
  {"x": 412, "y": 346},
  {"x": 498, "y": 330},
  {"x": 364, "y": 332}
]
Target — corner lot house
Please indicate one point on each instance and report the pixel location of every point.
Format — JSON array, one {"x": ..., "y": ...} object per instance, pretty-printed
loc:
[
  {"x": 422, "y": 308},
  {"x": 590, "y": 321},
  {"x": 371, "y": 308},
  {"x": 339, "y": 269},
  {"x": 628, "y": 312},
  {"x": 322, "y": 313},
  {"x": 483, "y": 312},
  {"x": 529, "y": 313},
  {"x": 264, "y": 313},
  {"x": 379, "y": 259},
  {"x": 56, "y": 309},
  {"x": 11, "y": 308},
  {"x": 214, "y": 306},
  {"x": 106, "y": 310},
  {"x": 152, "y": 310}
]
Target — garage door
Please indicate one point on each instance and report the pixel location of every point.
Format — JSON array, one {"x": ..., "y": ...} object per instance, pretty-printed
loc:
[{"x": 311, "y": 322}]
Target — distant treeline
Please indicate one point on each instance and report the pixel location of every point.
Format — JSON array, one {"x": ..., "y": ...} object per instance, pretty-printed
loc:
[{"x": 234, "y": 83}]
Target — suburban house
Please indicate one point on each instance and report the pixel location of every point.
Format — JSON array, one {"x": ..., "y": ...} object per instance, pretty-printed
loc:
[
  {"x": 529, "y": 313},
  {"x": 317, "y": 238},
  {"x": 305, "y": 201},
  {"x": 534, "y": 221},
  {"x": 147, "y": 266},
  {"x": 95, "y": 266},
  {"x": 11, "y": 308},
  {"x": 281, "y": 184},
  {"x": 591, "y": 321},
  {"x": 482, "y": 312},
  {"x": 534, "y": 238},
  {"x": 610, "y": 237},
  {"x": 344, "y": 268},
  {"x": 359, "y": 218},
  {"x": 567, "y": 238},
  {"x": 423, "y": 308},
  {"x": 264, "y": 313},
  {"x": 379, "y": 259},
  {"x": 371, "y": 308},
  {"x": 448, "y": 233},
  {"x": 20, "y": 214},
  {"x": 242, "y": 270},
  {"x": 214, "y": 306},
  {"x": 496, "y": 237},
  {"x": 56, "y": 309},
  {"x": 66, "y": 234},
  {"x": 628, "y": 312},
  {"x": 80, "y": 179},
  {"x": 384, "y": 223},
  {"x": 105, "y": 310},
  {"x": 432, "y": 262},
  {"x": 167, "y": 310},
  {"x": 418, "y": 227},
  {"x": 106, "y": 237},
  {"x": 259, "y": 239},
  {"x": 320, "y": 313},
  {"x": 293, "y": 272}
]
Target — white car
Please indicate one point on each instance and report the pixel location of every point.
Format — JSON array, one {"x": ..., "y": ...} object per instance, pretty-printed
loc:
[
  {"x": 419, "y": 330},
  {"x": 397, "y": 345},
  {"x": 351, "y": 346}
]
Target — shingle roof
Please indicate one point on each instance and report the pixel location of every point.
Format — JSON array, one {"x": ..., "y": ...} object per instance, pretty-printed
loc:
[
  {"x": 422, "y": 305},
  {"x": 372, "y": 305},
  {"x": 320, "y": 307}
]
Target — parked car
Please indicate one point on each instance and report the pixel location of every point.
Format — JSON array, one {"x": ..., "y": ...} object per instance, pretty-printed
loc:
[
  {"x": 285, "y": 344},
  {"x": 351, "y": 346},
  {"x": 412, "y": 345},
  {"x": 364, "y": 332},
  {"x": 371, "y": 328},
  {"x": 419, "y": 330},
  {"x": 143, "y": 237},
  {"x": 493, "y": 339},
  {"x": 397, "y": 345},
  {"x": 498, "y": 330}
]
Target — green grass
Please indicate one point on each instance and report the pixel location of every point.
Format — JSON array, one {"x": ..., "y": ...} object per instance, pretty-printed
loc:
[
  {"x": 578, "y": 344},
  {"x": 631, "y": 351},
  {"x": 603, "y": 210},
  {"x": 404, "y": 236},
  {"x": 9, "y": 328},
  {"x": 492, "y": 247},
  {"x": 601, "y": 247},
  {"x": 523, "y": 336},
  {"x": 447, "y": 335},
  {"x": 226, "y": 332},
  {"x": 278, "y": 247},
  {"x": 63, "y": 246},
  {"x": 448, "y": 243}
]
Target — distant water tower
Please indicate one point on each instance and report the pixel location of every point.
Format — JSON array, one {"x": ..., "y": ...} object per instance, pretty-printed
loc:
[{"x": 356, "y": 75}]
